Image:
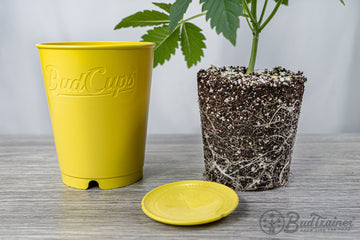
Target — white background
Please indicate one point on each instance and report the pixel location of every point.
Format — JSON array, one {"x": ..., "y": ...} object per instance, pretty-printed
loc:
[{"x": 320, "y": 37}]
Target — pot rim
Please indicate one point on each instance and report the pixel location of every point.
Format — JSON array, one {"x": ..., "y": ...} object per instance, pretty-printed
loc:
[{"x": 95, "y": 45}]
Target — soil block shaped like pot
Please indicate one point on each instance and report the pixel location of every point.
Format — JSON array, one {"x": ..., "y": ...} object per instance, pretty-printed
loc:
[{"x": 249, "y": 124}]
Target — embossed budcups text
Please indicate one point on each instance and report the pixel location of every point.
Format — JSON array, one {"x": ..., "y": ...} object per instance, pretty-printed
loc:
[{"x": 93, "y": 83}]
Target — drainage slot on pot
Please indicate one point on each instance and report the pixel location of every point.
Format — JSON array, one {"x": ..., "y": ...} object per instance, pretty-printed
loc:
[{"x": 93, "y": 184}]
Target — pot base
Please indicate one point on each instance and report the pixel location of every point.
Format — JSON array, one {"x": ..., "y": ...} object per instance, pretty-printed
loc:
[{"x": 104, "y": 183}]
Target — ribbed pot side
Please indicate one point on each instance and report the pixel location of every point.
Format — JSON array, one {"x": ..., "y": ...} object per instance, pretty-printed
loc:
[{"x": 249, "y": 124}]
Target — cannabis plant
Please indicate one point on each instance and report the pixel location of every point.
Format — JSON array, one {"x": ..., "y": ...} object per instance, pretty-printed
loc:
[{"x": 224, "y": 15}]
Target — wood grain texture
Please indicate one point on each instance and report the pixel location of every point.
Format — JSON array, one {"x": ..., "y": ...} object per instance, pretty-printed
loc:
[{"x": 35, "y": 204}]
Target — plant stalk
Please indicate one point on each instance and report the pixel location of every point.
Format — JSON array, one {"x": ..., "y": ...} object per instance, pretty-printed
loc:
[
  {"x": 257, "y": 27},
  {"x": 249, "y": 13},
  {"x": 254, "y": 8},
  {"x": 196, "y": 16},
  {"x": 188, "y": 19},
  {"x": 254, "y": 48},
  {"x": 271, "y": 15},
  {"x": 263, "y": 12}
]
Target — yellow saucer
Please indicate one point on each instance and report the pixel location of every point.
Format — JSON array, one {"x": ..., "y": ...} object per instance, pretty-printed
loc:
[{"x": 189, "y": 202}]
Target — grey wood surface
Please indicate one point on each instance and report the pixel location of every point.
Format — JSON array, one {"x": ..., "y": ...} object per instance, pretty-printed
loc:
[{"x": 35, "y": 204}]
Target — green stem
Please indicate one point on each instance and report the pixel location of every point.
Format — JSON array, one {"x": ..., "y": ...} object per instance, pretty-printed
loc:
[
  {"x": 191, "y": 18},
  {"x": 253, "y": 8},
  {"x": 248, "y": 22},
  {"x": 253, "y": 19},
  {"x": 271, "y": 15},
  {"x": 188, "y": 19},
  {"x": 255, "y": 31},
  {"x": 254, "y": 48},
  {"x": 263, "y": 11},
  {"x": 257, "y": 27}
]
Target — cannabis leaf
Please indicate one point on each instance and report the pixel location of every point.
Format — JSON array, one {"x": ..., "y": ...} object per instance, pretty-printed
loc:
[
  {"x": 164, "y": 6},
  {"x": 192, "y": 43},
  {"x": 178, "y": 10},
  {"x": 224, "y": 16},
  {"x": 166, "y": 43},
  {"x": 285, "y": 2},
  {"x": 145, "y": 18}
]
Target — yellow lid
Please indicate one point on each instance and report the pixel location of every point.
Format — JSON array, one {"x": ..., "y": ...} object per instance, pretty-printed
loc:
[{"x": 189, "y": 202}]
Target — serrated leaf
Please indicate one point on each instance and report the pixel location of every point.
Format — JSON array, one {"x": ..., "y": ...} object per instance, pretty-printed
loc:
[
  {"x": 178, "y": 10},
  {"x": 224, "y": 16},
  {"x": 192, "y": 43},
  {"x": 145, "y": 18},
  {"x": 164, "y": 6},
  {"x": 285, "y": 2},
  {"x": 166, "y": 43}
]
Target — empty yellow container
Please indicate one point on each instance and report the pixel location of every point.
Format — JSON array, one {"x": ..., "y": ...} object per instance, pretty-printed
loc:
[{"x": 98, "y": 97}]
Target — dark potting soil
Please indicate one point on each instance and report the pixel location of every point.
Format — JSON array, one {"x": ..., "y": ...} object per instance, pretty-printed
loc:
[{"x": 249, "y": 125}]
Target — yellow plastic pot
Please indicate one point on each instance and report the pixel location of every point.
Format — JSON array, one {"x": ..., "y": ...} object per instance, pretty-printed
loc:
[{"x": 98, "y": 97}]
